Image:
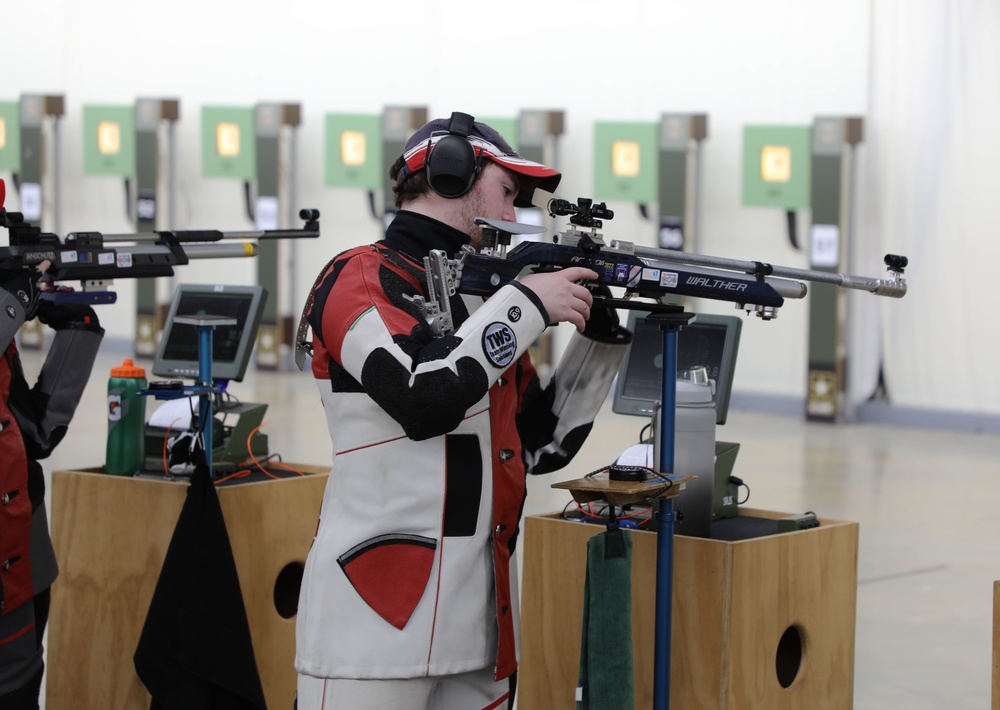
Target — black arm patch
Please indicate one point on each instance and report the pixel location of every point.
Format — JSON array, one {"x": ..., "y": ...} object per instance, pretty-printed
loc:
[
  {"x": 394, "y": 286},
  {"x": 434, "y": 404},
  {"x": 437, "y": 349}
]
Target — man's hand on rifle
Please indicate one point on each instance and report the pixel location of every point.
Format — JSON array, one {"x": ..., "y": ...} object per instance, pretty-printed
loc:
[
  {"x": 64, "y": 315},
  {"x": 24, "y": 283},
  {"x": 563, "y": 298}
]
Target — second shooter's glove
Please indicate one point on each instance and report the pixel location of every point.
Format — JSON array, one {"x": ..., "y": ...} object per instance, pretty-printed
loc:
[{"x": 23, "y": 284}]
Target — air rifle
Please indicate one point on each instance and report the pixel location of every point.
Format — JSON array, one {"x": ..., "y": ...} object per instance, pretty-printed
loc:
[
  {"x": 96, "y": 259},
  {"x": 648, "y": 276}
]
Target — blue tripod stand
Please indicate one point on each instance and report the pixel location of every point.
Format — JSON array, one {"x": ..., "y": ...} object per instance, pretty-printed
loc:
[{"x": 670, "y": 323}]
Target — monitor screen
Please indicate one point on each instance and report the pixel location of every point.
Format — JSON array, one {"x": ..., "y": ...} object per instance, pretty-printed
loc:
[
  {"x": 177, "y": 354},
  {"x": 709, "y": 341}
]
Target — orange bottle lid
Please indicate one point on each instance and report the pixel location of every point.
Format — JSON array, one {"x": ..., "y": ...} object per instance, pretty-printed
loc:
[{"x": 128, "y": 369}]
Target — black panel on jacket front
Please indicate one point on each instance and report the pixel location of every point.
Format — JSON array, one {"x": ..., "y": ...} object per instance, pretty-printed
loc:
[{"x": 464, "y": 479}]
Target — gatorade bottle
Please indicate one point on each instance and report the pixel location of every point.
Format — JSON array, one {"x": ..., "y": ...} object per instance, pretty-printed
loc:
[{"x": 126, "y": 420}]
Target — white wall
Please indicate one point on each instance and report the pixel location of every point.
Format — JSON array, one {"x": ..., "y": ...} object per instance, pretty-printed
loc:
[{"x": 771, "y": 61}]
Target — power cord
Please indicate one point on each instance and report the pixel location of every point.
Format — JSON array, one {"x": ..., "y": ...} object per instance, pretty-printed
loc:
[{"x": 738, "y": 482}]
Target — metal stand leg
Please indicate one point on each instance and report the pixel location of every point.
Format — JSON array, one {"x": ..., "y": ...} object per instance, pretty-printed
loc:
[
  {"x": 205, "y": 380},
  {"x": 670, "y": 323},
  {"x": 664, "y": 598}
]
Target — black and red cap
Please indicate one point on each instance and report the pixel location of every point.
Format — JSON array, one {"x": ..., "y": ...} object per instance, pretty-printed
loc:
[{"x": 486, "y": 142}]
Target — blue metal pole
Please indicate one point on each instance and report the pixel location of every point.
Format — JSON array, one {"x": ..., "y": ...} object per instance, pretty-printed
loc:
[
  {"x": 205, "y": 379},
  {"x": 665, "y": 526}
]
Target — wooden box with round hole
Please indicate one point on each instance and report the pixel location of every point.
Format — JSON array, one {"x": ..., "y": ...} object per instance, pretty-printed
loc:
[
  {"x": 111, "y": 535},
  {"x": 762, "y": 622}
]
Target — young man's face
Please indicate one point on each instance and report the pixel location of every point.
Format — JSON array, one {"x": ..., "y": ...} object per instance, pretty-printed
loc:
[{"x": 492, "y": 197}]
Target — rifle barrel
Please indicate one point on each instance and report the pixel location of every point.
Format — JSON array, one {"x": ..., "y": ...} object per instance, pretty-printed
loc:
[
  {"x": 880, "y": 287},
  {"x": 211, "y": 235},
  {"x": 214, "y": 250},
  {"x": 220, "y": 251}
]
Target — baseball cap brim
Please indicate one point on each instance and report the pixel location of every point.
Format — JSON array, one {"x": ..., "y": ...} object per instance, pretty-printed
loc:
[{"x": 496, "y": 150}]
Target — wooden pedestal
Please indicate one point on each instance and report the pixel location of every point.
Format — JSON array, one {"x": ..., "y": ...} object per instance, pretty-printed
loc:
[
  {"x": 766, "y": 622},
  {"x": 111, "y": 536},
  {"x": 995, "y": 703}
]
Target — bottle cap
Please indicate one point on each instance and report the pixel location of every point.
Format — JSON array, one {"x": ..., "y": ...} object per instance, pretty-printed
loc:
[{"x": 128, "y": 369}]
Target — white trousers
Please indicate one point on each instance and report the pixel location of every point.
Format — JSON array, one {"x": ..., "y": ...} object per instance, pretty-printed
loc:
[{"x": 475, "y": 690}]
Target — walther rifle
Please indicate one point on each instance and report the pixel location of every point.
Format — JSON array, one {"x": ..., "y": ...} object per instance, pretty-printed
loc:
[
  {"x": 95, "y": 260},
  {"x": 648, "y": 276}
]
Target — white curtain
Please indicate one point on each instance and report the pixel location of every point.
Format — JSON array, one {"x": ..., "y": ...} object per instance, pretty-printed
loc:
[{"x": 931, "y": 171}]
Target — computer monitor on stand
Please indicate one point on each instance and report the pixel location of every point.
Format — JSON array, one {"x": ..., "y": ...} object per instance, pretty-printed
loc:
[
  {"x": 177, "y": 357},
  {"x": 710, "y": 341}
]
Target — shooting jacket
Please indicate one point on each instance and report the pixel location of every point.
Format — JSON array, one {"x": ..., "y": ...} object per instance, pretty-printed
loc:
[
  {"x": 33, "y": 420},
  {"x": 411, "y": 572}
]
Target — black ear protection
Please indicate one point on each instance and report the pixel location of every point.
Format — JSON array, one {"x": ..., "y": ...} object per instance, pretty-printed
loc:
[{"x": 452, "y": 163}]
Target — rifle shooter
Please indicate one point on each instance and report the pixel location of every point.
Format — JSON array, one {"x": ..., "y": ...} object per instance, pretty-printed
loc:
[
  {"x": 648, "y": 275},
  {"x": 96, "y": 259}
]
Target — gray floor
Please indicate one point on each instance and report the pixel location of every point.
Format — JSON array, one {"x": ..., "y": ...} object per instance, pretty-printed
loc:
[{"x": 930, "y": 528}]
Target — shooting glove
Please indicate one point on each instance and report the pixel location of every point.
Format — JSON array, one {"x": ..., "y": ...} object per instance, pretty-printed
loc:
[
  {"x": 23, "y": 284},
  {"x": 74, "y": 316},
  {"x": 603, "y": 324}
]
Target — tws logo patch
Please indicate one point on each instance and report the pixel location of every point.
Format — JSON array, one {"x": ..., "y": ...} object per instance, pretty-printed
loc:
[{"x": 499, "y": 344}]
